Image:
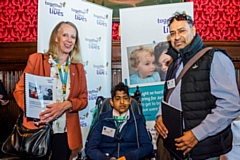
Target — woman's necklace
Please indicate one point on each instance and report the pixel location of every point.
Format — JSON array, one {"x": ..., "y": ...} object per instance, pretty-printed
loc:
[{"x": 63, "y": 79}]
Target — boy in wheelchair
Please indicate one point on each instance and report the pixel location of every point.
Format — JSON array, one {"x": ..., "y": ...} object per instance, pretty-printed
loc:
[{"x": 119, "y": 134}]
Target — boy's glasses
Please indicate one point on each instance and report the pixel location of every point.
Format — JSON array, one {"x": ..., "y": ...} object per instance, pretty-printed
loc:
[{"x": 180, "y": 17}]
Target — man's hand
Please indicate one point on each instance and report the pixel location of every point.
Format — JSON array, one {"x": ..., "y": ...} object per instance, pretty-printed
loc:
[
  {"x": 160, "y": 127},
  {"x": 186, "y": 142}
]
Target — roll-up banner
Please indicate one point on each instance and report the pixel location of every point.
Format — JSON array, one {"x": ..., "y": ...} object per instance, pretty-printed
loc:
[
  {"x": 146, "y": 28},
  {"x": 94, "y": 23}
]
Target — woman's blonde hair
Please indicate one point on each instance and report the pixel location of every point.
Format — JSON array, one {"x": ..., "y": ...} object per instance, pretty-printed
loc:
[{"x": 53, "y": 46}]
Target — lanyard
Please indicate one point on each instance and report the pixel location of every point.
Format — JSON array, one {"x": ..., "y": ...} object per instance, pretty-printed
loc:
[{"x": 63, "y": 80}]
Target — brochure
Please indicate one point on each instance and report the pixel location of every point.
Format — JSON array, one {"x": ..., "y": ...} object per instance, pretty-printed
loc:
[{"x": 39, "y": 92}]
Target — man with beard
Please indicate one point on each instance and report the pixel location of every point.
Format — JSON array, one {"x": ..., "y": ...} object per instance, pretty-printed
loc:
[{"x": 207, "y": 94}]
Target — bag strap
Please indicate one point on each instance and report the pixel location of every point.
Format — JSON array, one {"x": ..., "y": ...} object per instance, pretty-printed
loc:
[
  {"x": 20, "y": 118},
  {"x": 186, "y": 67}
]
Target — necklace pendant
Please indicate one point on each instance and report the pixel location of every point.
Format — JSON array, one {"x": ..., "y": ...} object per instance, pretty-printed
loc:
[
  {"x": 66, "y": 69},
  {"x": 64, "y": 87}
]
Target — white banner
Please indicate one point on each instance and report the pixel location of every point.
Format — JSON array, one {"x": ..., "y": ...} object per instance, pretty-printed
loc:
[
  {"x": 94, "y": 24},
  {"x": 145, "y": 27}
]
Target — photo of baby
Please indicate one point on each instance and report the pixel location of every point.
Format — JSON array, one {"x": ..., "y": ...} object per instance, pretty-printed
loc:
[
  {"x": 148, "y": 63},
  {"x": 142, "y": 68}
]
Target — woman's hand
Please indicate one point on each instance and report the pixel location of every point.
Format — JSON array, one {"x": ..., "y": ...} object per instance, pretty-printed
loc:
[{"x": 54, "y": 111}]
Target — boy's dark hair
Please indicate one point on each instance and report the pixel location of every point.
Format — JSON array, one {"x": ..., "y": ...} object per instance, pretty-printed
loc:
[{"x": 119, "y": 87}]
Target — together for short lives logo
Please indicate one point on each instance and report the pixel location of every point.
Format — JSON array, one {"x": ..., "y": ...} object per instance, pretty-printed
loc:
[
  {"x": 93, "y": 94},
  {"x": 93, "y": 43},
  {"x": 101, "y": 69},
  {"x": 55, "y": 9},
  {"x": 101, "y": 20},
  {"x": 163, "y": 21},
  {"x": 80, "y": 15}
]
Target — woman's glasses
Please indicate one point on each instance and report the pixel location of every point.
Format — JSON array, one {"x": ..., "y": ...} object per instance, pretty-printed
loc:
[{"x": 180, "y": 17}]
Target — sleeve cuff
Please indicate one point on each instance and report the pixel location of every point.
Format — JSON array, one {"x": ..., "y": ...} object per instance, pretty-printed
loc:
[
  {"x": 130, "y": 156},
  {"x": 71, "y": 108},
  {"x": 199, "y": 133}
]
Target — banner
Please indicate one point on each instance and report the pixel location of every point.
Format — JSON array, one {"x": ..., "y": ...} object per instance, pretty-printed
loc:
[
  {"x": 143, "y": 29},
  {"x": 94, "y": 24}
]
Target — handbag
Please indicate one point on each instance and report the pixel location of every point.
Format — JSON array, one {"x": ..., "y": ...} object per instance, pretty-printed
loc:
[{"x": 24, "y": 142}]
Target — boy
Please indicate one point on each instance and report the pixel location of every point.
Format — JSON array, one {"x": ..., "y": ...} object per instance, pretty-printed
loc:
[{"x": 119, "y": 134}]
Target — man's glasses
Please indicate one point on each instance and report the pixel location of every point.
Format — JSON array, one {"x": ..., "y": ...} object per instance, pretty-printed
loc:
[{"x": 180, "y": 17}]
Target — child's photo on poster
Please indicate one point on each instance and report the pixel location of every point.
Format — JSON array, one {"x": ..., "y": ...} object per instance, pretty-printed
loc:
[{"x": 148, "y": 63}]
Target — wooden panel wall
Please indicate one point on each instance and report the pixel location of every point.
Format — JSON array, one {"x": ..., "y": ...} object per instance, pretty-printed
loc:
[
  {"x": 12, "y": 62},
  {"x": 14, "y": 57}
]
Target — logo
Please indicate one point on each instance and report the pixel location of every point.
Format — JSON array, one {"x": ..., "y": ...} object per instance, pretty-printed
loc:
[
  {"x": 80, "y": 14},
  {"x": 83, "y": 124},
  {"x": 93, "y": 43},
  {"x": 101, "y": 69},
  {"x": 63, "y": 4},
  {"x": 101, "y": 20},
  {"x": 55, "y": 9},
  {"x": 93, "y": 94},
  {"x": 99, "y": 88},
  {"x": 85, "y": 63},
  {"x": 165, "y": 26},
  {"x": 195, "y": 66}
]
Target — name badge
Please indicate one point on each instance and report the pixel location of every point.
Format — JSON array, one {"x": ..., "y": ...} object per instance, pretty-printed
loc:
[
  {"x": 107, "y": 131},
  {"x": 171, "y": 83}
]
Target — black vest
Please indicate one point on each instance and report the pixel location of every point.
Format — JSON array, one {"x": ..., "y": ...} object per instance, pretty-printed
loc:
[{"x": 197, "y": 101}]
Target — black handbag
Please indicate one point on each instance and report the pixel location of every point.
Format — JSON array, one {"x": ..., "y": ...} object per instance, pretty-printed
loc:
[{"x": 24, "y": 142}]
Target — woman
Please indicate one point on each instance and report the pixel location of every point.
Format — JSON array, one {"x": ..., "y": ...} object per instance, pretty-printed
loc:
[
  {"x": 61, "y": 61},
  {"x": 162, "y": 58}
]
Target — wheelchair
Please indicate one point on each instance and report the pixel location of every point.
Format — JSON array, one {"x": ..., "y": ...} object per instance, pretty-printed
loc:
[{"x": 103, "y": 105}]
